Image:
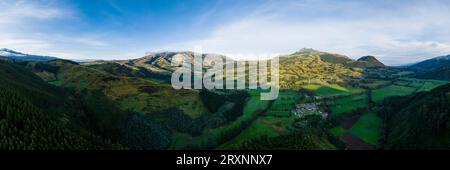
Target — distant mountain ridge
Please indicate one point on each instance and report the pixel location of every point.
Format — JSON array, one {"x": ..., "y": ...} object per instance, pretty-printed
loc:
[
  {"x": 432, "y": 64},
  {"x": 157, "y": 64},
  {"x": 436, "y": 68},
  {"x": 14, "y": 55},
  {"x": 363, "y": 62}
]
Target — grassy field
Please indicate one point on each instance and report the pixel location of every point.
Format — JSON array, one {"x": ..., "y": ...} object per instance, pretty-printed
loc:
[
  {"x": 402, "y": 83},
  {"x": 260, "y": 127},
  {"x": 56, "y": 82},
  {"x": 431, "y": 84},
  {"x": 253, "y": 107},
  {"x": 338, "y": 131},
  {"x": 346, "y": 104},
  {"x": 392, "y": 90},
  {"x": 284, "y": 104},
  {"x": 368, "y": 128},
  {"x": 277, "y": 120},
  {"x": 329, "y": 90},
  {"x": 421, "y": 84},
  {"x": 254, "y": 104},
  {"x": 326, "y": 89},
  {"x": 376, "y": 84}
]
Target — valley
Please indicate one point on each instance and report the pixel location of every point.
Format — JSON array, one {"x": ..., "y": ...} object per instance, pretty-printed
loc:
[{"x": 326, "y": 102}]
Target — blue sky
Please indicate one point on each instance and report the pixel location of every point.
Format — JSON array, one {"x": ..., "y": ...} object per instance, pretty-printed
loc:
[{"x": 396, "y": 31}]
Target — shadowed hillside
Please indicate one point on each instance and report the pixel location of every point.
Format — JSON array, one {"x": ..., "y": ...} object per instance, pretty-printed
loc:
[
  {"x": 420, "y": 121},
  {"x": 36, "y": 115}
]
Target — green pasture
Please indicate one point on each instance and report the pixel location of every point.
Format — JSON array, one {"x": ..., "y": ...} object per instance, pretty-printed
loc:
[
  {"x": 368, "y": 128},
  {"x": 392, "y": 90}
]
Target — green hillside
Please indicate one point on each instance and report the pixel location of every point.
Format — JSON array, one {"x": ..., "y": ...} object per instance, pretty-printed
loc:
[
  {"x": 437, "y": 68},
  {"x": 299, "y": 70},
  {"x": 132, "y": 93},
  {"x": 37, "y": 116},
  {"x": 419, "y": 121},
  {"x": 366, "y": 62}
]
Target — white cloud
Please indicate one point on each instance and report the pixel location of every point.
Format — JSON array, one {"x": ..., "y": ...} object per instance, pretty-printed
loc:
[
  {"x": 405, "y": 33},
  {"x": 396, "y": 31},
  {"x": 17, "y": 12},
  {"x": 23, "y": 43},
  {"x": 20, "y": 23},
  {"x": 91, "y": 42}
]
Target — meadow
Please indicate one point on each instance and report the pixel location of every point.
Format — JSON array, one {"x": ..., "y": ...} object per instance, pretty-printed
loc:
[
  {"x": 275, "y": 122},
  {"x": 393, "y": 90},
  {"x": 368, "y": 128},
  {"x": 342, "y": 105}
]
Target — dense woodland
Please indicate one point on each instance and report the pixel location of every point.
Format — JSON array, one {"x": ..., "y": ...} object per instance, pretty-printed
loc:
[{"x": 419, "y": 121}]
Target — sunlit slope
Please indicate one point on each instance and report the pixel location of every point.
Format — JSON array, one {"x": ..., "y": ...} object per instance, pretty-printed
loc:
[
  {"x": 131, "y": 93},
  {"x": 297, "y": 71}
]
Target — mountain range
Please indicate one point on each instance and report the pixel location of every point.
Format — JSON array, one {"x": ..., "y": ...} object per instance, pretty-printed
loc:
[
  {"x": 436, "y": 68},
  {"x": 363, "y": 62},
  {"x": 129, "y": 104}
]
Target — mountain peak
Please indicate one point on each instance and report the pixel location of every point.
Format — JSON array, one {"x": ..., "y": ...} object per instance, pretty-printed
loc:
[
  {"x": 368, "y": 58},
  {"x": 371, "y": 60},
  {"x": 308, "y": 50},
  {"x": 4, "y": 52},
  {"x": 367, "y": 61},
  {"x": 5, "y": 49}
]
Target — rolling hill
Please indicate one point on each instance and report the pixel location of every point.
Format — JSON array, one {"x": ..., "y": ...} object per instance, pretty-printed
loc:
[
  {"x": 363, "y": 62},
  {"x": 300, "y": 69},
  {"x": 324, "y": 56},
  {"x": 129, "y": 104},
  {"x": 156, "y": 65},
  {"x": 136, "y": 94},
  {"x": 186, "y": 112},
  {"x": 304, "y": 67},
  {"x": 35, "y": 115},
  {"x": 432, "y": 64},
  {"x": 366, "y": 62},
  {"x": 419, "y": 121}
]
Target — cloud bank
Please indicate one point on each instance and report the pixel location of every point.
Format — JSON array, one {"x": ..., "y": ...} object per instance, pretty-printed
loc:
[{"x": 396, "y": 31}]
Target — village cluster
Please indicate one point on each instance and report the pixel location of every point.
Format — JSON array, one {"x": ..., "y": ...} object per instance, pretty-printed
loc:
[{"x": 312, "y": 108}]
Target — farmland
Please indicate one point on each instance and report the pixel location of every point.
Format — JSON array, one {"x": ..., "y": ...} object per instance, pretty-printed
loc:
[
  {"x": 358, "y": 119},
  {"x": 276, "y": 121},
  {"x": 368, "y": 128},
  {"x": 349, "y": 109},
  {"x": 393, "y": 90},
  {"x": 346, "y": 104}
]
